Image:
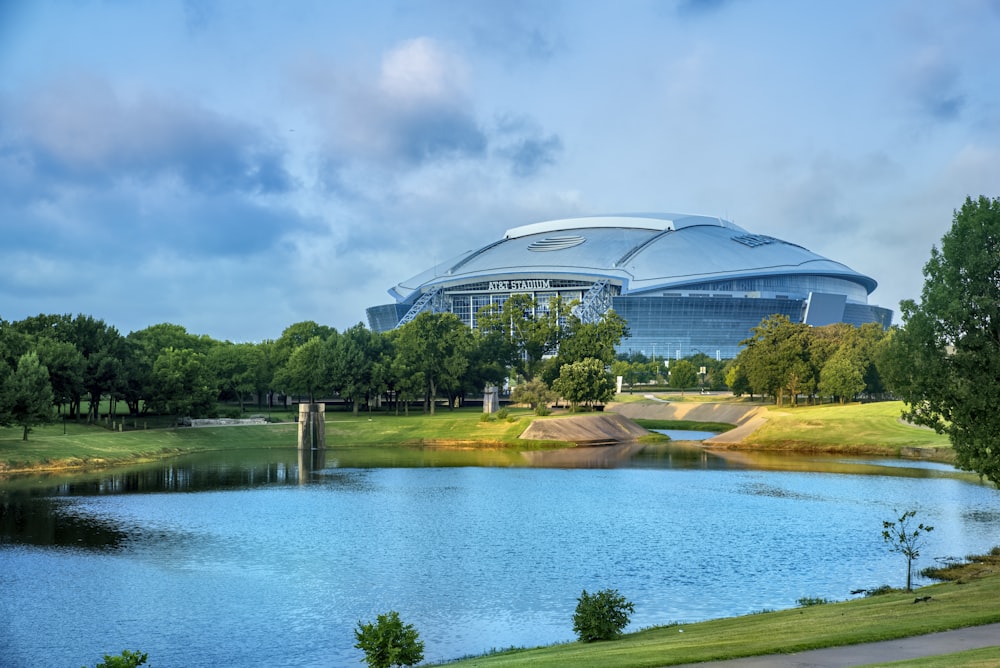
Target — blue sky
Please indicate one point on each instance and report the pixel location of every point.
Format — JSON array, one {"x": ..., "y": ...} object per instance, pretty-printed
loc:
[{"x": 235, "y": 166}]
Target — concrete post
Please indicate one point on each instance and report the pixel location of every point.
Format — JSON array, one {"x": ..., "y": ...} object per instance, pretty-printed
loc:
[
  {"x": 312, "y": 426},
  {"x": 491, "y": 399}
]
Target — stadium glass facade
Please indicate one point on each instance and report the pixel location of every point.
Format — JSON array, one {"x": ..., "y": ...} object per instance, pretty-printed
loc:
[{"x": 685, "y": 284}]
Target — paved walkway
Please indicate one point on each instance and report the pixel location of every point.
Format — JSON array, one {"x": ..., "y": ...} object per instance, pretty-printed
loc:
[{"x": 946, "y": 642}]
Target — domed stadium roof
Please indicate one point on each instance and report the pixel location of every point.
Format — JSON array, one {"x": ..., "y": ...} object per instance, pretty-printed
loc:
[{"x": 643, "y": 253}]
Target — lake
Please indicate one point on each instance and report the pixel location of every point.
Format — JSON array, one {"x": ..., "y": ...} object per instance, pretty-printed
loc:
[{"x": 266, "y": 558}]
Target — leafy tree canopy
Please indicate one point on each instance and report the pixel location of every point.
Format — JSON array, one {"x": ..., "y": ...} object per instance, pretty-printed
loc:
[{"x": 950, "y": 341}]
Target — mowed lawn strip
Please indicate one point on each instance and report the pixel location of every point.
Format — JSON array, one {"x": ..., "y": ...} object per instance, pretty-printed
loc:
[{"x": 884, "y": 617}]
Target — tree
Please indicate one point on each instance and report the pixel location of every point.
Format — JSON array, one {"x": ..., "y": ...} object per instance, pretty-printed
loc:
[
  {"x": 951, "y": 340},
  {"x": 601, "y": 616},
  {"x": 535, "y": 393},
  {"x": 585, "y": 381},
  {"x": 841, "y": 378},
  {"x": 682, "y": 375},
  {"x": 532, "y": 328},
  {"x": 775, "y": 359},
  {"x": 27, "y": 394},
  {"x": 308, "y": 371},
  {"x": 182, "y": 384},
  {"x": 906, "y": 541},
  {"x": 389, "y": 642},
  {"x": 435, "y": 346},
  {"x": 353, "y": 357}
]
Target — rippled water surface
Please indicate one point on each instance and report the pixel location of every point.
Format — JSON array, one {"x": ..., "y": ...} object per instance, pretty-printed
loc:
[{"x": 266, "y": 559}]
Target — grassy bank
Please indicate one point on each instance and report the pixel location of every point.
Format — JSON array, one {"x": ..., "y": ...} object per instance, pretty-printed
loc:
[
  {"x": 883, "y": 617},
  {"x": 83, "y": 445},
  {"x": 851, "y": 426}
]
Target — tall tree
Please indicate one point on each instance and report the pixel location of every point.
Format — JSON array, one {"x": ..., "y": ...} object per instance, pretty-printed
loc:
[
  {"x": 775, "y": 359},
  {"x": 682, "y": 375},
  {"x": 182, "y": 383},
  {"x": 27, "y": 394},
  {"x": 307, "y": 371},
  {"x": 353, "y": 357},
  {"x": 533, "y": 329},
  {"x": 434, "y": 346},
  {"x": 952, "y": 340}
]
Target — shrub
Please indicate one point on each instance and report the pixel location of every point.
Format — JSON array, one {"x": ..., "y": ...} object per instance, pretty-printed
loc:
[
  {"x": 389, "y": 642},
  {"x": 601, "y": 616},
  {"x": 543, "y": 410},
  {"x": 486, "y": 417},
  {"x": 806, "y": 601},
  {"x": 503, "y": 413},
  {"x": 126, "y": 659}
]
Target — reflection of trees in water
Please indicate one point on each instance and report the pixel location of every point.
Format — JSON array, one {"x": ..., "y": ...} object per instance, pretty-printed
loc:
[
  {"x": 49, "y": 517},
  {"x": 51, "y": 523}
]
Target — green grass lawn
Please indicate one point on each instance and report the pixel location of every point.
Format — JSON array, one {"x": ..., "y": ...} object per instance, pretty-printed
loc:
[
  {"x": 89, "y": 445},
  {"x": 876, "y": 424},
  {"x": 883, "y": 617}
]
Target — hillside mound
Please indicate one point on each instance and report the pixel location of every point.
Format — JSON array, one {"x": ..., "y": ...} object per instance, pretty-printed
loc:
[{"x": 585, "y": 429}]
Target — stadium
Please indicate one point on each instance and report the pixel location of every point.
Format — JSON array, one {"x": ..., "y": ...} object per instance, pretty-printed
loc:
[{"x": 686, "y": 284}]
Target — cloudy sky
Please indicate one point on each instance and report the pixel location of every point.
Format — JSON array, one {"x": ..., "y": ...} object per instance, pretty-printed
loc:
[{"x": 236, "y": 166}]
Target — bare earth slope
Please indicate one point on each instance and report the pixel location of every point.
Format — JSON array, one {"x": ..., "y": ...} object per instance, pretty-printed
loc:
[
  {"x": 585, "y": 429},
  {"x": 746, "y": 418}
]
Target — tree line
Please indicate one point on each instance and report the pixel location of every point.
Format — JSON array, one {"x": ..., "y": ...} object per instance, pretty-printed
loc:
[{"x": 68, "y": 365}]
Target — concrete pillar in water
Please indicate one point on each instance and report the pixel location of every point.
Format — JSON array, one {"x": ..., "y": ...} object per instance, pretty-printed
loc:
[{"x": 312, "y": 426}]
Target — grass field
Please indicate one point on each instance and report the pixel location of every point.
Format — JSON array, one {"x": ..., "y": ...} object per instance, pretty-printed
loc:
[{"x": 877, "y": 424}]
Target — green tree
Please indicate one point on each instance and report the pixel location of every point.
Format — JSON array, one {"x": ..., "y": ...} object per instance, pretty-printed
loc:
[
  {"x": 532, "y": 329},
  {"x": 308, "y": 370},
  {"x": 27, "y": 394},
  {"x": 776, "y": 358},
  {"x": 435, "y": 348},
  {"x": 234, "y": 367},
  {"x": 389, "y": 642},
  {"x": 736, "y": 379},
  {"x": 65, "y": 365},
  {"x": 950, "y": 341},
  {"x": 354, "y": 355},
  {"x": 682, "y": 375},
  {"x": 585, "y": 381},
  {"x": 535, "y": 393},
  {"x": 100, "y": 345},
  {"x": 905, "y": 540},
  {"x": 182, "y": 383},
  {"x": 601, "y": 616},
  {"x": 841, "y": 378}
]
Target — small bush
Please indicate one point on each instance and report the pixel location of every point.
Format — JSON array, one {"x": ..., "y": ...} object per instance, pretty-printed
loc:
[
  {"x": 486, "y": 417},
  {"x": 503, "y": 413},
  {"x": 601, "y": 616},
  {"x": 126, "y": 659},
  {"x": 543, "y": 410},
  {"x": 807, "y": 601},
  {"x": 389, "y": 642}
]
